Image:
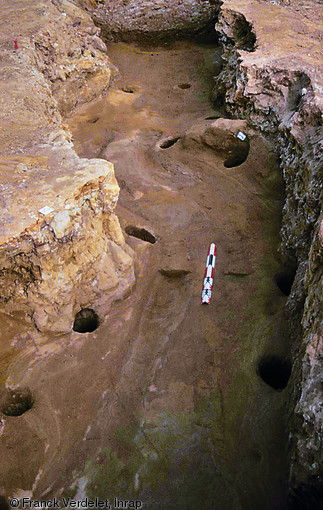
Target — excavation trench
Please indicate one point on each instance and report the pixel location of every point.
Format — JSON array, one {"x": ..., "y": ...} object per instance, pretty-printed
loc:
[
  {"x": 209, "y": 427},
  {"x": 170, "y": 397}
]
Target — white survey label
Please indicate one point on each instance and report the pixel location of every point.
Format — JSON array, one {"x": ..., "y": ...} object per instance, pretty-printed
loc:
[{"x": 45, "y": 210}]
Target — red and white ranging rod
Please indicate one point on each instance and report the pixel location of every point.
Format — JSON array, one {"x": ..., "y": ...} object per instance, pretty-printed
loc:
[{"x": 208, "y": 278}]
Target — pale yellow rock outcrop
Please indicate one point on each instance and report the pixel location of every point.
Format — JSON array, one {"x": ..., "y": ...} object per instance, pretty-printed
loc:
[{"x": 61, "y": 245}]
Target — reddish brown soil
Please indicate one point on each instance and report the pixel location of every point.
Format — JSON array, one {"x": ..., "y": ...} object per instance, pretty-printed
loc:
[
  {"x": 187, "y": 199},
  {"x": 159, "y": 351}
]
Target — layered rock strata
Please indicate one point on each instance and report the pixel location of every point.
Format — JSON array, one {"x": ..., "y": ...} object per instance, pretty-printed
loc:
[
  {"x": 61, "y": 245},
  {"x": 270, "y": 76}
]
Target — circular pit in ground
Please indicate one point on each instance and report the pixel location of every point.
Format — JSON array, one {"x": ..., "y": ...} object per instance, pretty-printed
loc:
[
  {"x": 275, "y": 371},
  {"x": 86, "y": 321},
  {"x": 238, "y": 153},
  {"x": 16, "y": 401}
]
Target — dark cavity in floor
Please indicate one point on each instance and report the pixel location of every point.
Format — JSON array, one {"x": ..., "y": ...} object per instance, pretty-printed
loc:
[
  {"x": 275, "y": 371},
  {"x": 238, "y": 153},
  {"x": 128, "y": 89},
  {"x": 168, "y": 142},
  {"x": 284, "y": 280},
  {"x": 16, "y": 401},
  {"x": 86, "y": 321},
  {"x": 140, "y": 233}
]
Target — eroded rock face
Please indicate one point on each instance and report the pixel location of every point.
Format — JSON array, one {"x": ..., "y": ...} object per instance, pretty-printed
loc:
[
  {"x": 72, "y": 57},
  {"x": 151, "y": 20},
  {"x": 266, "y": 78},
  {"x": 75, "y": 254},
  {"x": 280, "y": 92},
  {"x": 61, "y": 246}
]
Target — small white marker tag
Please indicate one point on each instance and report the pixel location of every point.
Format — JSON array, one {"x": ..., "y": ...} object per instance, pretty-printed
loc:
[
  {"x": 45, "y": 210},
  {"x": 241, "y": 136}
]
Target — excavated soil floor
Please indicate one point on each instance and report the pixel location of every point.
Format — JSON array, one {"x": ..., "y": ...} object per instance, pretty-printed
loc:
[{"x": 170, "y": 386}]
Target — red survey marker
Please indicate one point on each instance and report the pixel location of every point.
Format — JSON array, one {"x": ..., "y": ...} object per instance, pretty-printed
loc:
[{"x": 208, "y": 278}]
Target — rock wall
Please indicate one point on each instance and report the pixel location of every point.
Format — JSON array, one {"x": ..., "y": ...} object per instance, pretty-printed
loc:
[
  {"x": 269, "y": 76},
  {"x": 72, "y": 57},
  {"x": 152, "y": 20},
  {"x": 61, "y": 245},
  {"x": 72, "y": 256}
]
